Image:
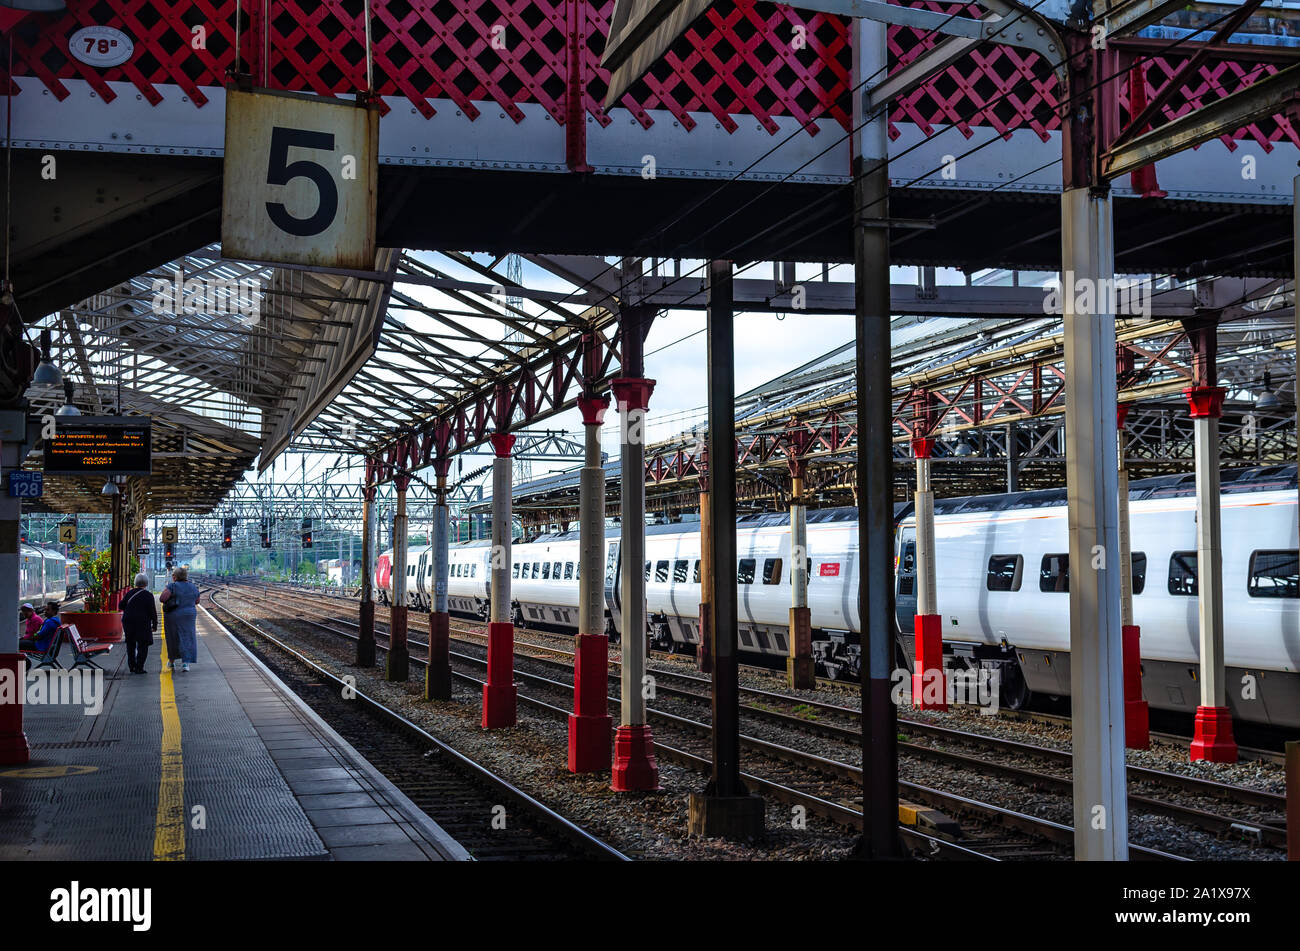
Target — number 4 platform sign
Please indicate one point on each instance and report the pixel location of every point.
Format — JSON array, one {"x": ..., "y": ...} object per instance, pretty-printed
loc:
[{"x": 301, "y": 174}]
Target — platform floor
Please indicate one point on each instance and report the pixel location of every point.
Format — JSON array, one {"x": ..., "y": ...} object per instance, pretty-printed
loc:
[{"x": 222, "y": 762}]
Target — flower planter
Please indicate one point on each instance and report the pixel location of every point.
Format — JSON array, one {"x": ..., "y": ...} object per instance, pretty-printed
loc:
[{"x": 102, "y": 626}]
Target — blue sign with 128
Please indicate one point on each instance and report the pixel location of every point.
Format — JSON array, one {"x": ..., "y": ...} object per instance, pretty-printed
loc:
[{"x": 26, "y": 485}]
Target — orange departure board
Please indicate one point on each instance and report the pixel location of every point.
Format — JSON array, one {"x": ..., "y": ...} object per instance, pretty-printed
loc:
[{"x": 105, "y": 445}]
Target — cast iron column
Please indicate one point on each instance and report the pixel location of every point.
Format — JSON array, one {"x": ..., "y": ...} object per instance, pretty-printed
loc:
[
  {"x": 725, "y": 808},
  {"x": 590, "y": 725},
  {"x": 1096, "y": 636},
  {"x": 398, "y": 666},
  {"x": 1137, "y": 732},
  {"x": 437, "y": 678},
  {"x": 704, "y": 650},
  {"x": 1212, "y": 738},
  {"x": 875, "y": 476},
  {"x": 799, "y": 667},
  {"x": 366, "y": 637},
  {"x": 500, "y": 696},
  {"x": 634, "y": 762}
]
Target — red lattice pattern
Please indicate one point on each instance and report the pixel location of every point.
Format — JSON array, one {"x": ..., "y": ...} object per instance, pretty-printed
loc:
[{"x": 743, "y": 60}]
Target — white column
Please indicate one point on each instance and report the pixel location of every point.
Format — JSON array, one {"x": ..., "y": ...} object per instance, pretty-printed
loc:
[{"x": 1096, "y": 647}]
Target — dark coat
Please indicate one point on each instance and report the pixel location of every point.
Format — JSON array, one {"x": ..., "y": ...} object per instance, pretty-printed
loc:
[{"x": 139, "y": 615}]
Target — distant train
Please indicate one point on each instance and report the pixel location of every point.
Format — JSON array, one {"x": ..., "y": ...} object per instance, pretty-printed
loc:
[
  {"x": 45, "y": 575},
  {"x": 989, "y": 550}
]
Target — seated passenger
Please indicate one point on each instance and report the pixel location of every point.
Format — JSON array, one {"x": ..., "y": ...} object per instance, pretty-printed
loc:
[
  {"x": 41, "y": 642},
  {"x": 30, "y": 621}
]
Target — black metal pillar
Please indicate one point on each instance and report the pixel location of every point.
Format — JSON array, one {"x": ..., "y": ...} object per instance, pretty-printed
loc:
[
  {"x": 875, "y": 475},
  {"x": 725, "y": 808}
]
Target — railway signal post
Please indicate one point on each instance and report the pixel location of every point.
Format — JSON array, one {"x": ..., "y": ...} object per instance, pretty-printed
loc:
[
  {"x": 500, "y": 695},
  {"x": 437, "y": 678},
  {"x": 634, "y": 761},
  {"x": 725, "y": 808},
  {"x": 591, "y": 727},
  {"x": 399, "y": 662},
  {"x": 1212, "y": 739}
]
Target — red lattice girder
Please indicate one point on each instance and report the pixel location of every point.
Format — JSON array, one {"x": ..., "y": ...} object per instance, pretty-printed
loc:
[{"x": 739, "y": 62}]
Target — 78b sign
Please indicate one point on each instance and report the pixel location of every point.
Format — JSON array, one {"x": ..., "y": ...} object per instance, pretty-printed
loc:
[{"x": 301, "y": 174}]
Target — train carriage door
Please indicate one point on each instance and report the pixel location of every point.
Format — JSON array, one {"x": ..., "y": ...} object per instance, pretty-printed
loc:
[
  {"x": 905, "y": 595},
  {"x": 611, "y": 585},
  {"x": 420, "y": 588}
]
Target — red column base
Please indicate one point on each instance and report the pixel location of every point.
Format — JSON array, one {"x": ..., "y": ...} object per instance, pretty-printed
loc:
[
  {"x": 1213, "y": 740},
  {"x": 634, "y": 760},
  {"x": 590, "y": 740},
  {"x": 1137, "y": 719},
  {"x": 14, "y": 750},
  {"x": 499, "y": 705},
  {"x": 437, "y": 676},
  {"x": 499, "y": 693},
  {"x": 929, "y": 686}
]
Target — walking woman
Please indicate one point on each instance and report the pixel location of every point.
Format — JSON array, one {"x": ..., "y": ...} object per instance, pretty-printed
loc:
[
  {"x": 139, "y": 621},
  {"x": 179, "y": 615}
]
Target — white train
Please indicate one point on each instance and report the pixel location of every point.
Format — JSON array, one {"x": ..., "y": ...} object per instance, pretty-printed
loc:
[
  {"x": 1003, "y": 570},
  {"x": 45, "y": 575}
]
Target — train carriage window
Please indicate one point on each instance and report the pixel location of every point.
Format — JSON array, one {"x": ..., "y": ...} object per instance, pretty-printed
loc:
[
  {"x": 907, "y": 564},
  {"x": 1138, "y": 570},
  {"x": 568, "y": 571},
  {"x": 1274, "y": 574},
  {"x": 1182, "y": 574},
  {"x": 696, "y": 575},
  {"x": 1054, "y": 573},
  {"x": 546, "y": 570},
  {"x": 537, "y": 569},
  {"x": 473, "y": 571},
  {"x": 661, "y": 572},
  {"x": 771, "y": 571},
  {"x": 514, "y": 572},
  {"x": 647, "y": 571},
  {"x": 1005, "y": 572},
  {"x": 680, "y": 570},
  {"x": 745, "y": 571},
  {"x": 555, "y": 570}
]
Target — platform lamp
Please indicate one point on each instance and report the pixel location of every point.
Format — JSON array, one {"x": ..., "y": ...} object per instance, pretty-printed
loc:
[
  {"x": 68, "y": 408},
  {"x": 963, "y": 449},
  {"x": 1268, "y": 401},
  {"x": 47, "y": 374}
]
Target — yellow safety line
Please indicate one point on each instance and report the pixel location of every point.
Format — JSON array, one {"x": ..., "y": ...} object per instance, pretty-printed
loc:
[{"x": 169, "y": 829}]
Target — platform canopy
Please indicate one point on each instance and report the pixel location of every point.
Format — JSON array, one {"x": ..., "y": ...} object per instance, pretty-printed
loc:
[{"x": 219, "y": 384}]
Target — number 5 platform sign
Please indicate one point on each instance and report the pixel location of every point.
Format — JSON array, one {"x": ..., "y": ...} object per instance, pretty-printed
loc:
[{"x": 300, "y": 180}]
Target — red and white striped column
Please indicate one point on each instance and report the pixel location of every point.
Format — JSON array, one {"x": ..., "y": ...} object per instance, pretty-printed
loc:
[
  {"x": 929, "y": 687},
  {"x": 499, "y": 693},
  {"x": 1137, "y": 721}
]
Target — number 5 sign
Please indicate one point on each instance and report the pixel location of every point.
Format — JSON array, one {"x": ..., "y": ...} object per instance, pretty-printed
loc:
[{"x": 300, "y": 180}]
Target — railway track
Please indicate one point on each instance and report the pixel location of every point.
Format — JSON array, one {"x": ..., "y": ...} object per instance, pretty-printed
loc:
[
  {"x": 459, "y": 794},
  {"x": 1262, "y": 817},
  {"x": 823, "y": 785},
  {"x": 849, "y": 691}
]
